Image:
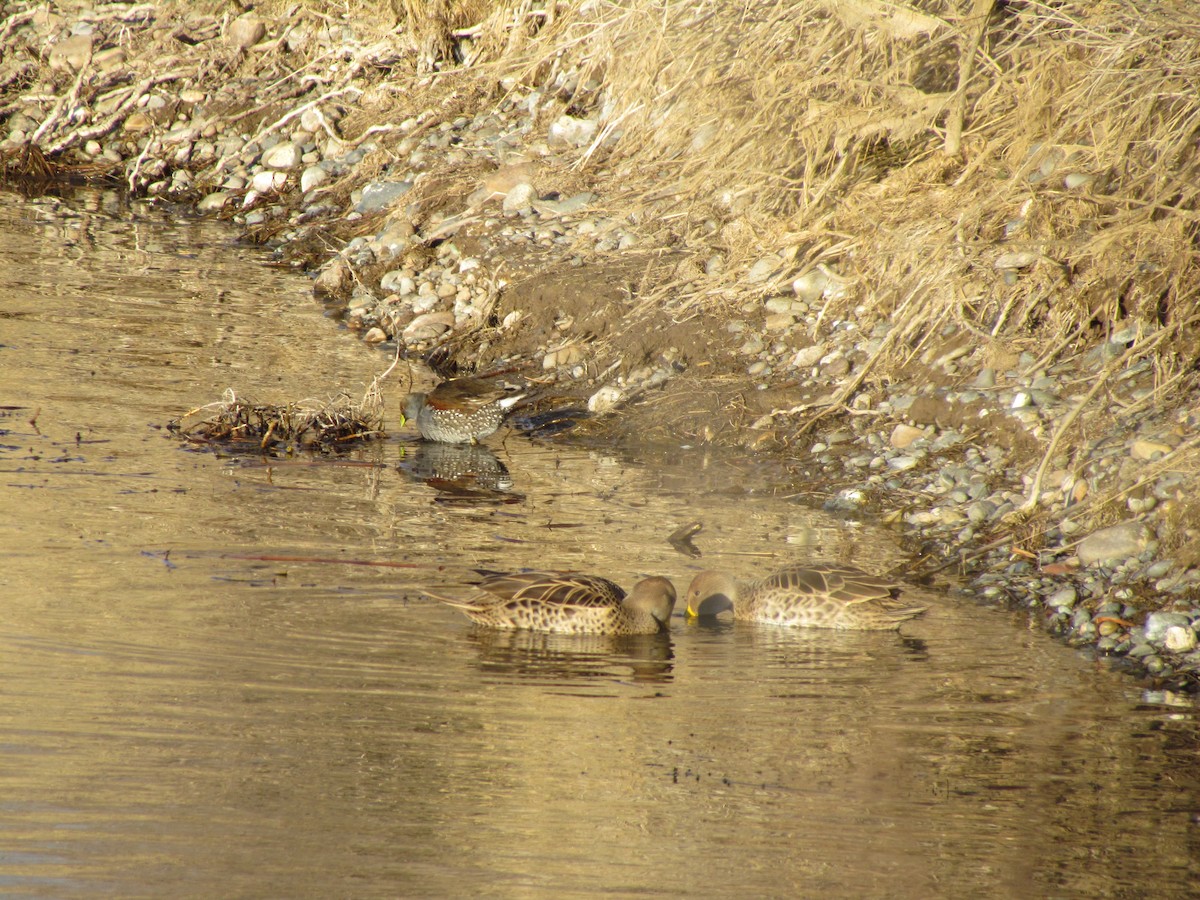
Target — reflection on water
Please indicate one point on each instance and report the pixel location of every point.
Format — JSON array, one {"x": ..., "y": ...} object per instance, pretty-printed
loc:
[
  {"x": 464, "y": 473},
  {"x": 573, "y": 658},
  {"x": 220, "y": 677}
]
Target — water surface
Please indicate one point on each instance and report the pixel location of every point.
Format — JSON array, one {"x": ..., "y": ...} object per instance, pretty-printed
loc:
[{"x": 219, "y": 677}]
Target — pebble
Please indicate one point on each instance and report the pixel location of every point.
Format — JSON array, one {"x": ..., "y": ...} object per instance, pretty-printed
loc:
[
  {"x": 1158, "y": 623},
  {"x": 1179, "y": 638},
  {"x": 379, "y": 195},
  {"x": 569, "y": 131},
  {"x": 605, "y": 399},
  {"x": 312, "y": 177},
  {"x": 285, "y": 155},
  {"x": 1063, "y": 598},
  {"x": 903, "y": 436},
  {"x": 1020, "y": 259},
  {"x": 519, "y": 200},
  {"x": 245, "y": 31},
  {"x": 266, "y": 182},
  {"x": 1117, "y": 542},
  {"x": 428, "y": 326},
  {"x": 1143, "y": 449}
]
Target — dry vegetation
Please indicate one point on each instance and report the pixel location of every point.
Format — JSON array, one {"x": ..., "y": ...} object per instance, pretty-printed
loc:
[
  {"x": 1022, "y": 175},
  {"x": 843, "y": 134}
]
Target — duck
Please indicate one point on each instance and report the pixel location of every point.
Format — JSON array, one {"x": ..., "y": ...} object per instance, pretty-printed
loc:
[
  {"x": 567, "y": 603},
  {"x": 461, "y": 410},
  {"x": 815, "y": 595}
]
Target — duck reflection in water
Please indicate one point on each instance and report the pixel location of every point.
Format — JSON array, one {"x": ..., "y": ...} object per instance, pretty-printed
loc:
[
  {"x": 575, "y": 658},
  {"x": 460, "y": 473}
]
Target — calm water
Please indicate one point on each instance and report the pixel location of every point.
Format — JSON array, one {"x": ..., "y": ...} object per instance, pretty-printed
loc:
[{"x": 205, "y": 692}]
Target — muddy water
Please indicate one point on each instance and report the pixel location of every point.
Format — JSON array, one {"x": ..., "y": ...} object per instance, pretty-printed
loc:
[{"x": 210, "y": 687}]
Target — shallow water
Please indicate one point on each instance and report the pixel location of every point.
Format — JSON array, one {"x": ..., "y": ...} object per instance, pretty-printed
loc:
[{"x": 218, "y": 676}]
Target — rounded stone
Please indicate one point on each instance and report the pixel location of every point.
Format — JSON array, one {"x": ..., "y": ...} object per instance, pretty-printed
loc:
[
  {"x": 1180, "y": 638},
  {"x": 246, "y": 31},
  {"x": 313, "y": 176}
]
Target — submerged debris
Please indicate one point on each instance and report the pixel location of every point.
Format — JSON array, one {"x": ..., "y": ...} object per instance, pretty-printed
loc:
[{"x": 243, "y": 425}]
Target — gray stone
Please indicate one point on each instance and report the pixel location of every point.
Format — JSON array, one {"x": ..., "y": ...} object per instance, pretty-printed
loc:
[
  {"x": 568, "y": 131},
  {"x": 564, "y": 207},
  {"x": 285, "y": 155},
  {"x": 313, "y": 176},
  {"x": 1180, "y": 639},
  {"x": 379, "y": 194},
  {"x": 1116, "y": 543},
  {"x": 519, "y": 199},
  {"x": 1063, "y": 598},
  {"x": 1158, "y": 623},
  {"x": 764, "y": 269}
]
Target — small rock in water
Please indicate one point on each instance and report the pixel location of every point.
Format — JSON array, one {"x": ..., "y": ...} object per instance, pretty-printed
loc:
[
  {"x": 214, "y": 201},
  {"x": 334, "y": 278}
]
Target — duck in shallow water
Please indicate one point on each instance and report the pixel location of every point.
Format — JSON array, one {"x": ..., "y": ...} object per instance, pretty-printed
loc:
[
  {"x": 817, "y": 595},
  {"x": 461, "y": 410},
  {"x": 563, "y": 603}
]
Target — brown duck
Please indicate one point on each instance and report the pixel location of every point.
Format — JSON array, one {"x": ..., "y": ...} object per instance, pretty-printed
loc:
[
  {"x": 564, "y": 603},
  {"x": 461, "y": 410},
  {"x": 818, "y": 595}
]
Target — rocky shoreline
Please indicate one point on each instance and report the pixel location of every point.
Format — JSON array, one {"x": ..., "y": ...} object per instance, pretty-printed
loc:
[{"x": 1057, "y": 477}]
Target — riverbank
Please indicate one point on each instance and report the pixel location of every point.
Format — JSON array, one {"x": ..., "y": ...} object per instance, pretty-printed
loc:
[{"x": 950, "y": 277}]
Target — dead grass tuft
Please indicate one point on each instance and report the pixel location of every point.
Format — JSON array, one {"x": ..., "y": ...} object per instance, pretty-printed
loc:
[{"x": 240, "y": 425}]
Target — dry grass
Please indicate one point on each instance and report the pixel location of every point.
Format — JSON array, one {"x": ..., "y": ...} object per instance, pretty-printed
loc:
[
  {"x": 819, "y": 132},
  {"x": 236, "y": 424}
]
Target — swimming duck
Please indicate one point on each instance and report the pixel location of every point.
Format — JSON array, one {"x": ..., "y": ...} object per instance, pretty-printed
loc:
[
  {"x": 817, "y": 595},
  {"x": 565, "y": 603}
]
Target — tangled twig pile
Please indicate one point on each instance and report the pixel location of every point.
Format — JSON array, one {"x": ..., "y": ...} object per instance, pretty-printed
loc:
[{"x": 240, "y": 425}]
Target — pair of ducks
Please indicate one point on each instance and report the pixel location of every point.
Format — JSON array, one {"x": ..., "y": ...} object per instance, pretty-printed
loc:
[
  {"x": 819, "y": 595},
  {"x": 822, "y": 595}
]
